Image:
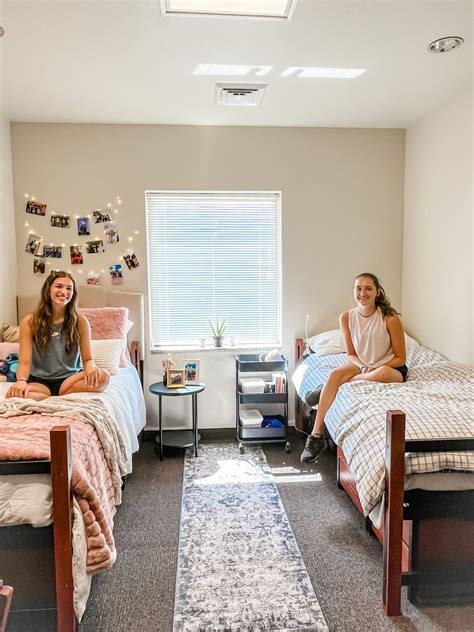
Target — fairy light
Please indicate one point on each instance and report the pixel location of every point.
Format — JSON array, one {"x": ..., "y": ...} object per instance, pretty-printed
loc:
[
  {"x": 26, "y": 224},
  {"x": 109, "y": 204},
  {"x": 136, "y": 232},
  {"x": 33, "y": 198},
  {"x": 30, "y": 232},
  {"x": 130, "y": 239},
  {"x": 115, "y": 211},
  {"x": 77, "y": 216},
  {"x": 26, "y": 195}
]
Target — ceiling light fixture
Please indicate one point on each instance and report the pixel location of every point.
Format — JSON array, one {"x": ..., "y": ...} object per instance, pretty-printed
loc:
[
  {"x": 230, "y": 69},
  {"x": 241, "y": 8},
  {"x": 445, "y": 44},
  {"x": 323, "y": 73}
]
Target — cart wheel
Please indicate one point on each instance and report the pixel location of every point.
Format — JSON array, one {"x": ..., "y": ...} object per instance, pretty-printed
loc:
[
  {"x": 287, "y": 447},
  {"x": 241, "y": 448}
]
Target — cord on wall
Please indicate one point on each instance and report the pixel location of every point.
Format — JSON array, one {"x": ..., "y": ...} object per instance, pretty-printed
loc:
[{"x": 306, "y": 333}]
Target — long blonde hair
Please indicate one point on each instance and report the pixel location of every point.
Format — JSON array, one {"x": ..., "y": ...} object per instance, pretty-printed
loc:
[
  {"x": 381, "y": 300},
  {"x": 43, "y": 316}
]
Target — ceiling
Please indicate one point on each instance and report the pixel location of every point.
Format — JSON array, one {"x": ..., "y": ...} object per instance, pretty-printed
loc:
[{"x": 106, "y": 61}]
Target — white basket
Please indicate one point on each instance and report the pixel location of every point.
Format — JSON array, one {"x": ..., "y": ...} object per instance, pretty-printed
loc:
[{"x": 251, "y": 418}]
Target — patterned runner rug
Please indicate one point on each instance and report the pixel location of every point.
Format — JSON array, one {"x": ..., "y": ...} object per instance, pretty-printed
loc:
[{"x": 239, "y": 566}]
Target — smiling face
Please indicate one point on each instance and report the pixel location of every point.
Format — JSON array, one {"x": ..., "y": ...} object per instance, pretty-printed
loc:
[
  {"x": 61, "y": 291},
  {"x": 365, "y": 293}
]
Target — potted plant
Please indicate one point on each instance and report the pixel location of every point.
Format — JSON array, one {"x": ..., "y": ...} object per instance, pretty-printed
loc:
[{"x": 218, "y": 331}]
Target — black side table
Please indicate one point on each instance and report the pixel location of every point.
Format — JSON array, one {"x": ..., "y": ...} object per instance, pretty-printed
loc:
[{"x": 177, "y": 438}]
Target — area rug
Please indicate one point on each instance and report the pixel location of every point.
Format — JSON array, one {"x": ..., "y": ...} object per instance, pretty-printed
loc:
[{"x": 239, "y": 566}]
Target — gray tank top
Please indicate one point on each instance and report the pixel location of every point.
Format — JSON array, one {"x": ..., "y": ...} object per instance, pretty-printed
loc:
[{"x": 53, "y": 362}]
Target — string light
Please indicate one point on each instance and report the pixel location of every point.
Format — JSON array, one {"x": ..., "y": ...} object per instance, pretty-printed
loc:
[
  {"x": 33, "y": 198},
  {"x": 26, "y": 224},
  {"x": 26, "y": 195},
  {"x": 136, "y": 232},
  {"x": 130, "y": 239}
]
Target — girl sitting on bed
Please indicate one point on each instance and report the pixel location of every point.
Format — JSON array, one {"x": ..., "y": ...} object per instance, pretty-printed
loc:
[
  {"x": 375, "y": 343},
  {"x": 52, "y": 342}
]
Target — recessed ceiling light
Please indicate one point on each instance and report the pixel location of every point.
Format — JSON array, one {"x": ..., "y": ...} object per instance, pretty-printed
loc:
[
  {"x": 323, "y": 73},
  {"x": 247, "y": 8},
  {"x": 445, "y": 44},
  {"x": 230, "y": 69}
]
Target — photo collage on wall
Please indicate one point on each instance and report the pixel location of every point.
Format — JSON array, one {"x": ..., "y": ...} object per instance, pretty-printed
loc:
[{"x": 78, "y": 254}]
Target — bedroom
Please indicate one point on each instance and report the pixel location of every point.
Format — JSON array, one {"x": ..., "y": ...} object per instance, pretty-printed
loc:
[{"x": 391, "y": 173}]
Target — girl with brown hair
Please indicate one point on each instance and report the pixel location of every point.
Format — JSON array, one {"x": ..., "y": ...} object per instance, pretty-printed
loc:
[
  {"x": 375, "y": 344},
  {"x": 55, "y": 346}
]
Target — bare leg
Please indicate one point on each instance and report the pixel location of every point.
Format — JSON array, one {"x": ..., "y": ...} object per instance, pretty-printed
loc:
[
  {"x": 336, "y": 378},
  {"x": 76, "y": 384},
  {"x": 35, "y": 391},
  {"x": 384, "y": 374}
]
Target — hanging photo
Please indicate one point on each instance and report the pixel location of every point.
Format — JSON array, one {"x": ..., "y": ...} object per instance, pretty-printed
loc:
[
  {"x": 60, "y": 221},
  {"x": 101, "y": 216},
  {"x": 83, "y": 226},
  {"x": 55, "y": 252},
  {"x": 94, "y": 247},
  {"x": 38, "y": 265},
  {"x": 33, "y": 244},
  {"x": 93, "y": 278},
  {"x": 116, "y": 273},
  {"x": 76, "y": 255},
  {"x": 112, "y": 234},
  {"x": 131, "y": 260},
  {"x": 36, "y": 208}
]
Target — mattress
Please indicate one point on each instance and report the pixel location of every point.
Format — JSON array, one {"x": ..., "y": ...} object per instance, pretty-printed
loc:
[
  {"x": 437, "y": 399},
  {"x": 27, "y": 499}
]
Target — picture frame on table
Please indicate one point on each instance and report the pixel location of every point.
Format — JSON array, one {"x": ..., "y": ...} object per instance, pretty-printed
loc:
[
  {"x": 191, "y": 371},
  {"x": 175, "y": 378}
]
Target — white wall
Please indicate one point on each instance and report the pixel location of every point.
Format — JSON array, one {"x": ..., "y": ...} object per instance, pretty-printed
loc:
[
  {"x": 437, "y": 236},
  {"x": 342, "y": 212}
]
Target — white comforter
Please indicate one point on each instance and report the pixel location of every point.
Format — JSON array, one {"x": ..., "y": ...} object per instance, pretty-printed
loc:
[{"x": 437, "y": 400}]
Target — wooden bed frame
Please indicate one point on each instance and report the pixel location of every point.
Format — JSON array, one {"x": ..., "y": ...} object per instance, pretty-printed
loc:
[
  {"x": 427, "y": 536},
  {"x": 37, "y": 562}
]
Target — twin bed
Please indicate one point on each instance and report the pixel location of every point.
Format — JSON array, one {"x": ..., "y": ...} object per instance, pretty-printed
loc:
[
  {"x": 405, "y": 456},
  {"x": 62, "y": 462}
]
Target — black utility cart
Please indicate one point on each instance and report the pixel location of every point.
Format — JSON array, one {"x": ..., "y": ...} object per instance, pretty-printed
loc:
[{"x": 245, "y": 365}]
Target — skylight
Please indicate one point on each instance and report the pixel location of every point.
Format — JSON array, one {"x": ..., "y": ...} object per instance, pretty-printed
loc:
[
  {"x": 323, "y": 73},
  {"x": 248, "y": 8},
  {"x": 222, "y": 70}
]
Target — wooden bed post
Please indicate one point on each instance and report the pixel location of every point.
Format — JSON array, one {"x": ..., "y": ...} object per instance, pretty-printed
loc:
[
  {"x": 61, "y": 474},
  {"x": 393, "y": 518}
]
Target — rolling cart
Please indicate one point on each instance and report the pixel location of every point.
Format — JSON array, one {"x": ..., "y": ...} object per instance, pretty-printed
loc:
[{"x": 251, "y": 363}]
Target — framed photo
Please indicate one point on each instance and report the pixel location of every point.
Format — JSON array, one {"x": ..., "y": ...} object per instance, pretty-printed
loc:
[
  {"x": 175, "y": 378},
  {"x": 191, "y": 371}
]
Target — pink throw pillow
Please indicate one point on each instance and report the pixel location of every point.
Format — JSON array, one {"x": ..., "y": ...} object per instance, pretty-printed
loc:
[{"x": 108, "y": 323}]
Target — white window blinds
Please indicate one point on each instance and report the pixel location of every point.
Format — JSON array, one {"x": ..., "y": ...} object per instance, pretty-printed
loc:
[{"x": 214, "y": 255}]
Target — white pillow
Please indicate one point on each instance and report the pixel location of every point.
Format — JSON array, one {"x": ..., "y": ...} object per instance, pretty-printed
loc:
[
  {"x": 332, "y": 342},
  {"x": 106, "y": 354},
  {"x": 327, "y": 343}
]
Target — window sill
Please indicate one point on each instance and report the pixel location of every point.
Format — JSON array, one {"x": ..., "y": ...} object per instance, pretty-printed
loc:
[{"x": 225, "y": 348}]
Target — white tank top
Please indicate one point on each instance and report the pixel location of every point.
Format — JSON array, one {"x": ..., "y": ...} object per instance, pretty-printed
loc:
[{"x": 370, "y": 337}]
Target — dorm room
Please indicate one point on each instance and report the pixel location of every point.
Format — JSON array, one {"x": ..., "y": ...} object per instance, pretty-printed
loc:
[{"x": 123, "y": 163}]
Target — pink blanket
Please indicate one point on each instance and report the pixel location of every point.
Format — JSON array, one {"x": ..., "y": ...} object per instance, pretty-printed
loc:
[{"x": 27, "y": 437}]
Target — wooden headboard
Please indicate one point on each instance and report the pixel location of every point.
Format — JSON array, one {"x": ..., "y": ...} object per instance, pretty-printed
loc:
[{"x": 99, "y": 296}]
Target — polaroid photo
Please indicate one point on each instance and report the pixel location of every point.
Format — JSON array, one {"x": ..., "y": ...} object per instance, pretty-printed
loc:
[
  {"x": 112, "y": 234},
  {"x": 95, "y": 247},
  {"x": 60, "y": 221},
  {"x": 76, "y": 255},
  {"x": 33, "y": 244},
  {"x": 131, "y": 260},
  {"x": 55, "y": 252},
  {"x": 36, "y": 208},
  {"x": 93, "y": 278},
  {"x": 83, "y": 226},
  {"x": 116, "y": 273},
  {"x": 101, "y": 216},
  {"x": 39, "y": 265}
]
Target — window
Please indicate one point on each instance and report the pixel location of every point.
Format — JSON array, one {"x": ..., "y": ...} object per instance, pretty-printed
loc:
[{"x": 214, "y": 255}]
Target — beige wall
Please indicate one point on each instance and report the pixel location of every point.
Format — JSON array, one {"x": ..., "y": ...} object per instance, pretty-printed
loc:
[
  {"x": 342, "y": 211},
  {"x": 437, "y": 244},
  {"x": 7, "y": 229}
]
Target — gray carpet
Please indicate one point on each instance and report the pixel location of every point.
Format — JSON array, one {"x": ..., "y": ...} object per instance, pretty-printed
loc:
[{"x": 342, "y": 560}]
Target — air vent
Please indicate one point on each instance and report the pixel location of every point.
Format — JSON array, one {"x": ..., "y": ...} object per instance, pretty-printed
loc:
[{"x": 249, "y": 94}]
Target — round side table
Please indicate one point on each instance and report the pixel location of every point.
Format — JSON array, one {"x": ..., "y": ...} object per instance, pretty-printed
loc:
[{"x": 177, "y": 438}]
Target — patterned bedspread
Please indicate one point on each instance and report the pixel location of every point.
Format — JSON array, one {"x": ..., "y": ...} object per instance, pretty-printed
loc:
[{"x": 437, "y": 400}]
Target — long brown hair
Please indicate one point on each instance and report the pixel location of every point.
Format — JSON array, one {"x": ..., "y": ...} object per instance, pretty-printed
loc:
[
  {"x": 381, "y": 300},
  {"x": 43, "y": 315}
]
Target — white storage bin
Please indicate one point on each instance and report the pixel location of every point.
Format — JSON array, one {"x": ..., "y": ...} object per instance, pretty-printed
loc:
[
  {"x": 252, "y": 385},
  {"x": 251, "y": 418}
]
